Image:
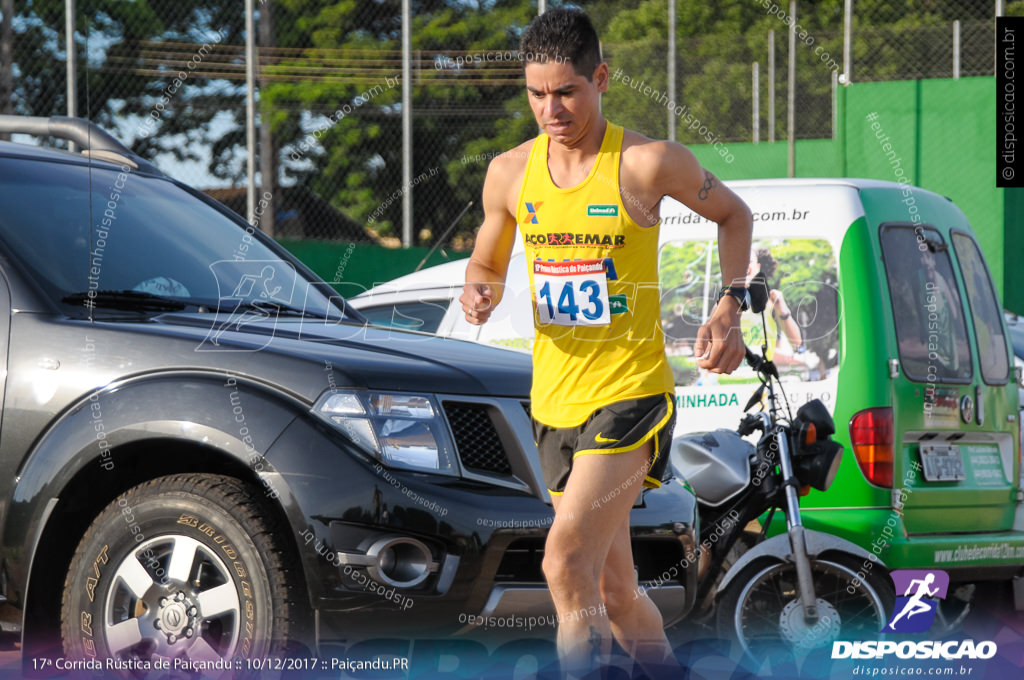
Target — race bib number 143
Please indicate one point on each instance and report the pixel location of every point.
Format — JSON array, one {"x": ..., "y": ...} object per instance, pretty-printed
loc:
[{"x": 573, "y": 293}]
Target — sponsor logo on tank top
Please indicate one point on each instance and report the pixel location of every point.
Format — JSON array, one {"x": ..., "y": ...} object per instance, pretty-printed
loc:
[
  {"x": 570, "y": 239},
  {"x": 602, "y": 210},
  {"x": 531, "y": 212}
]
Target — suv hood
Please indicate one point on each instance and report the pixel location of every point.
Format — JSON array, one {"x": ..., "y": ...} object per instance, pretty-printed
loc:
[{"x": 359, "y": 356}]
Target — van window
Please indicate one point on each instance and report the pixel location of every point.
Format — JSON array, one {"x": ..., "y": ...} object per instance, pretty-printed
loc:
[
  {"x": 988, "y": 326},
  {"x": 801, "y": 321},
  {"x": 930, "y": 328}
]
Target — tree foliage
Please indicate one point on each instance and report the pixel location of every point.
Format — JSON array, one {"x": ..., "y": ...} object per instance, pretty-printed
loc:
[
  {"x": 114, "y": 79},
  {"x": 331, "y": 89}
]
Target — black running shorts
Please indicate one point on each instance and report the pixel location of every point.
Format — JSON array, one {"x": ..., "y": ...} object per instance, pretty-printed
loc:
[{"x": 616, "y": 428}]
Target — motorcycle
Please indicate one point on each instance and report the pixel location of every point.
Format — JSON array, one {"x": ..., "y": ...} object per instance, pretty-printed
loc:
[{"x": 794, "y": 592}]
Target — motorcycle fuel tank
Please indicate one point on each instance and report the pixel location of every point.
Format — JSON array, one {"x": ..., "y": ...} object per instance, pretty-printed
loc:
[{"x": 716, "y": 464}]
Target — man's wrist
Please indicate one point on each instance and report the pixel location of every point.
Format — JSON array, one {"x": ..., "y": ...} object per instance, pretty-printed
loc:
[
  {"x": 731, "y": 306},
  {"x": 739, "y": 294}
]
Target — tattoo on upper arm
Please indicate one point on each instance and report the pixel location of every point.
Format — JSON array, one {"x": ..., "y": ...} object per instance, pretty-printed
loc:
[{"x": 709, "y": 184}]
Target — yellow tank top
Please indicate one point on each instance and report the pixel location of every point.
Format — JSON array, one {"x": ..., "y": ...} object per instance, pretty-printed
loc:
[{"x": 594, "y": 281}]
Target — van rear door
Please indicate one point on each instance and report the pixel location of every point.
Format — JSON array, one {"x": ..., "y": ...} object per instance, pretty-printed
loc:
[{"x": 954, "y": 459}]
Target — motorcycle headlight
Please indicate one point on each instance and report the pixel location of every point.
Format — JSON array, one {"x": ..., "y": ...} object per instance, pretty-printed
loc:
[{"x": 400, "y": 429}]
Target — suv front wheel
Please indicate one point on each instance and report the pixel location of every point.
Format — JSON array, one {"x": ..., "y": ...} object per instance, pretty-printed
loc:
[{"x": 186, "y": 566}]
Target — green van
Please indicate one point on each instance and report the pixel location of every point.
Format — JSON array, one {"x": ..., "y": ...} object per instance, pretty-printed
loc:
[{"x": 883, "y": 307}]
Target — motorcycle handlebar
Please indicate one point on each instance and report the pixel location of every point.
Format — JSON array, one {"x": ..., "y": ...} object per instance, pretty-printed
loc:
[
  {"x": 760, "y": 364},
  {"x": 748, "y": 424}
]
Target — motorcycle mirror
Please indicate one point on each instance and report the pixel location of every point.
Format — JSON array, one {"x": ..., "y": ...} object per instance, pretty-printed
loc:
[
  {"x": 817, "y": 465},
  {"x": 816, "y": 413},
  {"x": 758, "y": 290}
]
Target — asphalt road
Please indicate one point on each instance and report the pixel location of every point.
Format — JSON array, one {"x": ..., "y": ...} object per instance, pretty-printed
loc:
[{"x": 992, "y": 618}]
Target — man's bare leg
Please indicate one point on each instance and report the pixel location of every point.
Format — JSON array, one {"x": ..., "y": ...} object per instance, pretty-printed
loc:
[
  {"x": 635, "y": 621},
  {"x": 598, "y": 495}
]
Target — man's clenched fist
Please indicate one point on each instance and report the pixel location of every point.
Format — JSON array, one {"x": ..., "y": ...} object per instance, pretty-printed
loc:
[{"x": 476, "y": 302}]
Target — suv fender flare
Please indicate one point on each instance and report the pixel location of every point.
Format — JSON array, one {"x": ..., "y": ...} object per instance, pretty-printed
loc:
[
  {"x": 193, "y": 407},
  {"x": 818, "y": 542}
]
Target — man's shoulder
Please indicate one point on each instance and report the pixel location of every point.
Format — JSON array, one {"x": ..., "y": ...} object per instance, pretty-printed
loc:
[
  {"x": 514, "y": 159},
  {"x": 645, "y": 158},
  {"x": 505, "y": 175},
  {"x": 637, "y": 144}
]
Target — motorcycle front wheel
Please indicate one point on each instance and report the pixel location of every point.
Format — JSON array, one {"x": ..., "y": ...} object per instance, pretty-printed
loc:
[{"x": 761, "y": 611}]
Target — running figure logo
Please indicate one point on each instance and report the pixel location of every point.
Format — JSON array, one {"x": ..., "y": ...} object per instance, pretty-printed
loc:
[{"x": 915, "y": 609}]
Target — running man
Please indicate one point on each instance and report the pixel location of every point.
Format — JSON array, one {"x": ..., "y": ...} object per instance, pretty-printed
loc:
[
  {"x": 585, "y": 193},
  {"x": 914, "y": 604}
]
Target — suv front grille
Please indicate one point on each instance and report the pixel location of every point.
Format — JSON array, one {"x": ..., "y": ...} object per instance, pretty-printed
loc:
[
  {"x": 476, "y": 438},
  {"x": 652, "y": 557}
]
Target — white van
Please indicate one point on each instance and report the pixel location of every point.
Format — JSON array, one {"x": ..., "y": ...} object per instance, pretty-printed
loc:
[{"x": 799, "y": 222}]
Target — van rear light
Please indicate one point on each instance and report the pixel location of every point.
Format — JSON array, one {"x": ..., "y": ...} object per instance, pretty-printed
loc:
[{"x": 871, "y": 433}]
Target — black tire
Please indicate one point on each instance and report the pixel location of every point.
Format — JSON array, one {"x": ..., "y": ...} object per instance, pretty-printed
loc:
[
  {"x": 760, "y": 609},
  {"x": 186, "y": 566}
]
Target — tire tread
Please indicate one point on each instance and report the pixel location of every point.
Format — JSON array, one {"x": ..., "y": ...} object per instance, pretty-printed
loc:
[{"x": 240, "y": 501}]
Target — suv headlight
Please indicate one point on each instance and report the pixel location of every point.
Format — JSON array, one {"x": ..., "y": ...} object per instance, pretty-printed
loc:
[{"x": 400, "y": 429}]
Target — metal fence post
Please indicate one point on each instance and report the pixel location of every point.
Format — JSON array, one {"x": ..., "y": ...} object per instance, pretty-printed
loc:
[
  {"x": 250, "y": 111},
  {"x": 7, "y": 57},
  {"x": 956, "y": 49},
  {"x": 755, "y": 87},
  {"x": 69, "y": 45},
  {"x": 671, "y": 68},
  {"x": 267, "y": 150},
  {"x": 771, "y": 86},
  {"x": 835, "y": 105},
  {"x": 848, "y": 42},
  {"x": 791, "y": 105},
  {"x": 406, "y": 124}
]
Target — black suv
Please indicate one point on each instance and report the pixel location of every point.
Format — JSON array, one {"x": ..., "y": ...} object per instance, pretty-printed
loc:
[{"x": 206, "y": 454}]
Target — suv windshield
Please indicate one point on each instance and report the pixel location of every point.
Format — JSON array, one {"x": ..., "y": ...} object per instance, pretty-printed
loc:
[{"x": 146, "y": 239}]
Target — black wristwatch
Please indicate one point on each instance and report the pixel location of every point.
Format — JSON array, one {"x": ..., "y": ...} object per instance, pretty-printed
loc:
[{"x": 738, "y": 293}]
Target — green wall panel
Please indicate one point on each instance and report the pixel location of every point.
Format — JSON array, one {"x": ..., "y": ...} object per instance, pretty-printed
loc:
[
  {"x": 882, "y": 131},
  {"x": 353, "y": 268},
  {"x": 958, "y": 157},
  {"x": 937, "y": 134}
]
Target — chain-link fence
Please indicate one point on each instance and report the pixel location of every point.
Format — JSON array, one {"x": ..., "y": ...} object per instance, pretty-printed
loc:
[
  {"x": 168, "y": 78},
  {"x": 953, "y": 39}
]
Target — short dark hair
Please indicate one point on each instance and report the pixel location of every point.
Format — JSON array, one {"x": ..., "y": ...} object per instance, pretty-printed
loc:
[
  {"x": 562, "y": 35},
  {"x": 768, "y": 263}
]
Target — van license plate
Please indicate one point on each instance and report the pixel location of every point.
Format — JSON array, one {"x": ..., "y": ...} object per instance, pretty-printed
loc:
[{"x": 942, "y": 463}]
